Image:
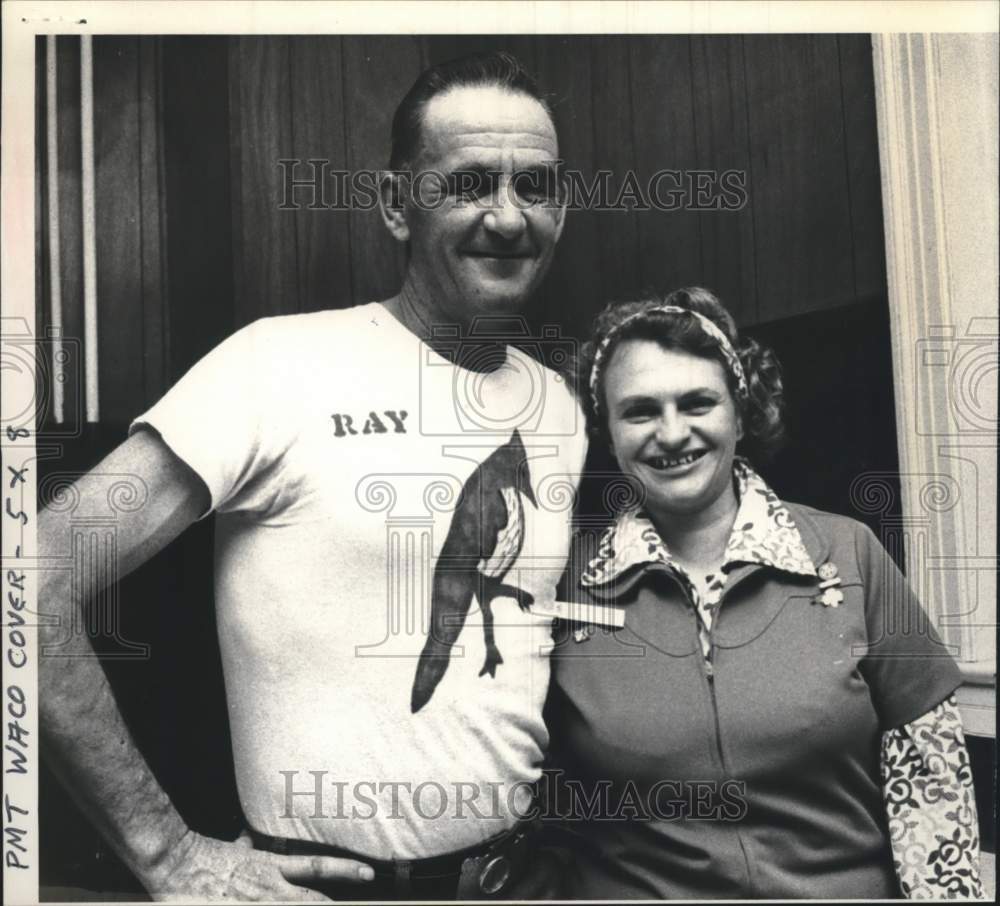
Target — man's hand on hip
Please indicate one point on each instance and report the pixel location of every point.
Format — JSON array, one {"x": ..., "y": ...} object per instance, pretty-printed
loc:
[{"x": 202, "y": 868}]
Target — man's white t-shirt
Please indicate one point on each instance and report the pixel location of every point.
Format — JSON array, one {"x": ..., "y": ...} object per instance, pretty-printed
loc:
[{"x": 337, "y": 447}]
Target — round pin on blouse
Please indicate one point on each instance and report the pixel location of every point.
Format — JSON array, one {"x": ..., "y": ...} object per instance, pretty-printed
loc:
[{"x": 828, "y": 571}]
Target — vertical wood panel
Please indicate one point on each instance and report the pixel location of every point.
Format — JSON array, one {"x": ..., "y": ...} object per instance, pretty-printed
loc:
[
  {"x": 318, "y": 133},
  {"x": 71, "y": 217},
  {"x": 572, "y": 295},
  {"x": 723, "y": 144},
  {"x": 41, "y": 202},
  {"x": 378, "y": 71},
  {"x": 119, "y": 226},
  {"x": 864, "y": 181},
  {"x": 196, "y": 177},
  {"x": 614, "y": 150},
  {"x": 438, "y": 49},
  {"x": 800, "y": 190},
  {"x": 670, "y": 248},
  {"x": 155, "y": 336},
  {"x": 266, "y": 258},
  {"x": 441, "y": 48}
]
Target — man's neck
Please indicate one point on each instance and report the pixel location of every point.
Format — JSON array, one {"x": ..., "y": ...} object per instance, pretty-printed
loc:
[
  {"x": 408, "y": 308},
  {"x": 450, "y": 339}
]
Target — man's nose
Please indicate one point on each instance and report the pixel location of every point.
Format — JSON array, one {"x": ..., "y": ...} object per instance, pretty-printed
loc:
[{"x": 505, "y": 216}]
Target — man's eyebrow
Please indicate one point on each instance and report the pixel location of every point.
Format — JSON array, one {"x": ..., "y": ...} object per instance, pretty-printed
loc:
[
  {"x": 472, "y": 167},
  {"x": 542, "y": 167}
]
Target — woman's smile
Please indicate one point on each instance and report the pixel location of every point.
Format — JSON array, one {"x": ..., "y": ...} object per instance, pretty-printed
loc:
[{"x": 673, "y": 464}]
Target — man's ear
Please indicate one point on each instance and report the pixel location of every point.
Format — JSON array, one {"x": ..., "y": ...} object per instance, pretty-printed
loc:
[
  {"x": 560, "y": 219},
  {"x": 392, "y": 204},
  {"x": 561, "y": 209}
]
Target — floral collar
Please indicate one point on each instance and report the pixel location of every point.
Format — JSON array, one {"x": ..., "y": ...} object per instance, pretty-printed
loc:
[{"x": 763, "y": 533}]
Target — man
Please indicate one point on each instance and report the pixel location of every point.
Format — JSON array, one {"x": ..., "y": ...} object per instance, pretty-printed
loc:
[{"x": 384, "y": 549}]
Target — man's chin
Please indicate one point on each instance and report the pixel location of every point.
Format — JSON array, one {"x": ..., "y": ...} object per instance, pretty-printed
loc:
[{"x": 498, "y": 301}]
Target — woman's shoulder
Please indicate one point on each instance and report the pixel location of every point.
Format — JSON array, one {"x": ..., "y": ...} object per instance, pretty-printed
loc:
[
  {"x": 823, "y": 520},
  {"x": 834, "y": 536}
]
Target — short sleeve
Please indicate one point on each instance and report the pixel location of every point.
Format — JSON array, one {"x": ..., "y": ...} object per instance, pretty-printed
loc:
[
  {"x": 211, "y": 418},
  {"x": 908, "y": 668}
]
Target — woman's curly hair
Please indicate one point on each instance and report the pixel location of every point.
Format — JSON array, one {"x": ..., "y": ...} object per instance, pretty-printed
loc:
[{"x": 761, "y": 411}]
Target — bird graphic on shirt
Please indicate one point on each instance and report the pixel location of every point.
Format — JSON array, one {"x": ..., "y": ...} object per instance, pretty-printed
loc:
[{"x": 489, "y": 517}]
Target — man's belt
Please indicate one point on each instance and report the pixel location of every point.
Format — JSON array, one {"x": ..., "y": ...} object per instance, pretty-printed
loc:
[{"x": 484, "y": 871}]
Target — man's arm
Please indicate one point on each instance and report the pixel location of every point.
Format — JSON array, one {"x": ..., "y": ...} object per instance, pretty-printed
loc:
[{"x": 85, "y": 739}]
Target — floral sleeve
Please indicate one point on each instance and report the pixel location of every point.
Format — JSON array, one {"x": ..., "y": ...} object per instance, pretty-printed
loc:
[{"x": 931, "y": 806}]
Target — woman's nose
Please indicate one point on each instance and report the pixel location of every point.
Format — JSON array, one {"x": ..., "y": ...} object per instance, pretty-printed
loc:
[{"x": 672, "y": 430}]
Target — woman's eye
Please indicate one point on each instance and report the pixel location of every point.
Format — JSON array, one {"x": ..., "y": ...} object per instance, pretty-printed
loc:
[
  {"x": 700, "y": 405},
  {"x": 638, "y": 414}
]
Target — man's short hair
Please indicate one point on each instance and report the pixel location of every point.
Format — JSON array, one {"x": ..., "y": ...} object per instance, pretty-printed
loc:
[{"x": 497, "y": 68}]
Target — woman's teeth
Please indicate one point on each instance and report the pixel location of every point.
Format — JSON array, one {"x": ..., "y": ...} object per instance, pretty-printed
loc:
[{"x": 664, "y": 462}]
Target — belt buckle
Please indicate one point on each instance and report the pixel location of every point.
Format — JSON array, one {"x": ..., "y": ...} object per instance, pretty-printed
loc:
[
  {"x": 495, "y": 874},
  {"x": 488, "y": 875}
]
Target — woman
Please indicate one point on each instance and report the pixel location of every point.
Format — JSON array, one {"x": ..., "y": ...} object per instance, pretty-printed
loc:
[{"x": 767, "y": 722}]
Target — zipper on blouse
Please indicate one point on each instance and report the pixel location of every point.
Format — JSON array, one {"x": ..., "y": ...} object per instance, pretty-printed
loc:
[
  {"x": 709, "y": 670},
  {"x": 710, "y": 677}
]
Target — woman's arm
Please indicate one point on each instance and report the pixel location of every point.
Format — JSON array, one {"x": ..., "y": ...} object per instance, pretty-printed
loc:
[{"x": 931, "y": 806}]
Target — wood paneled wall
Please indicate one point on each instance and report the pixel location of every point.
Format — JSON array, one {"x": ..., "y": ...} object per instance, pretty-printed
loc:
[
  {"x": 133, "y": 304},
  {"x": 795, "y": 113},
  {"x": 193, "y": 241}
]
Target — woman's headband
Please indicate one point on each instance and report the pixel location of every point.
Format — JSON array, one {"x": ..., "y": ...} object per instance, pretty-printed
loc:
[{"x": 707, "y": 325}]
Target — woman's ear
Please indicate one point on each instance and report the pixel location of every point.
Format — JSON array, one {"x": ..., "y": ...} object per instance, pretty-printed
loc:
[{"x": 392, "y": 205}]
